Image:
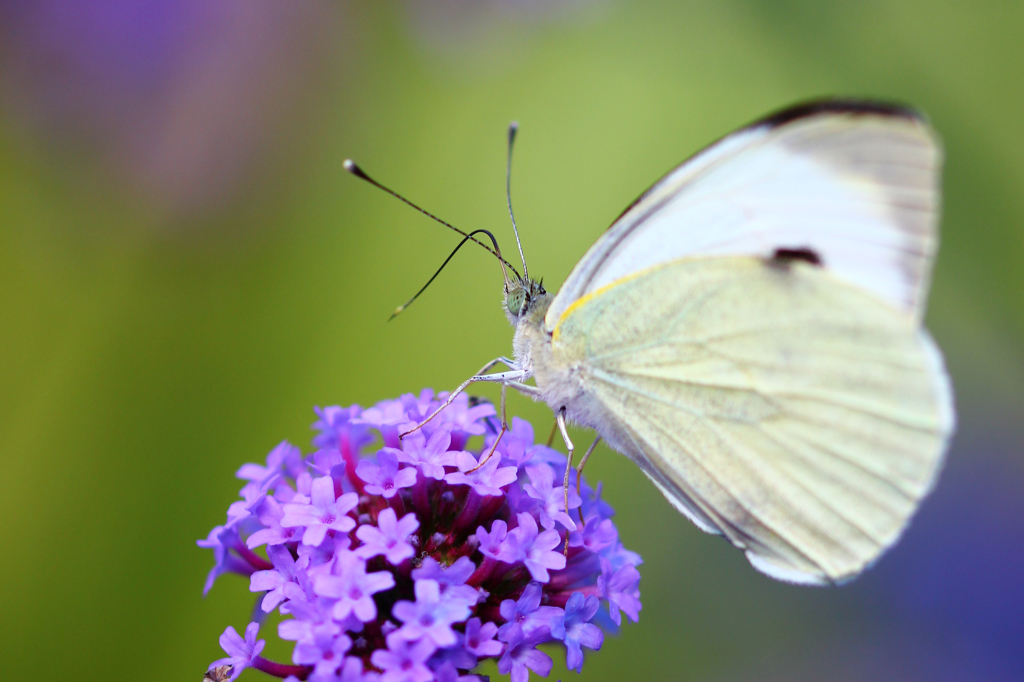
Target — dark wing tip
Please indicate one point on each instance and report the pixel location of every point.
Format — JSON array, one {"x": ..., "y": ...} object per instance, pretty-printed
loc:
[
  {"x": 862, "y": 107},
  {"x": 828, "y": 105}
]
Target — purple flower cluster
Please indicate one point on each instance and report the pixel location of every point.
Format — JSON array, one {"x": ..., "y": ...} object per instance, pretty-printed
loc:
[{"x": 405, "y": 560}]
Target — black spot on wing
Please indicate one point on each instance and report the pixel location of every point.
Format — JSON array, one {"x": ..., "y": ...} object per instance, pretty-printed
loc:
[{"x": 785, "y": 256}]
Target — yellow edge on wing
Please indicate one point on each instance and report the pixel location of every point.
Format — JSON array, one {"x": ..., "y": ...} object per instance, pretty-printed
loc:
[{"x": 586, "y": 298}]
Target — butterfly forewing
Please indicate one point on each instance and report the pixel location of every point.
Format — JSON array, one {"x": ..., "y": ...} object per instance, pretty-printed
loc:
[{"x": 854, "y": 184}]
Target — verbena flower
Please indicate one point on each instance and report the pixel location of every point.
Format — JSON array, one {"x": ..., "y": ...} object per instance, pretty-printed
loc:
[
  {"x": 398, "y": 562},
  {"x": 241, "y": 652}
]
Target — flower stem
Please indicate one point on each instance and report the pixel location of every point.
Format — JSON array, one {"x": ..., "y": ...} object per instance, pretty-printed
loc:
[
  {"x": 560, "y": 598},
  {"x": 421, "y": 499},
  {"x": 351, "y": 461},
  {"x": 396, "y": 503},
  {"x": 483, "y": 573},
  {"x": 469, "y": 512},
  {"x": 253, "y": 559},
  {"x": 281, "y": 670}
]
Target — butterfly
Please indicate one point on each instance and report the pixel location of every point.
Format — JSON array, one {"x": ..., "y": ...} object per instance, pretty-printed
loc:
[{"x": 749, "y": 333}]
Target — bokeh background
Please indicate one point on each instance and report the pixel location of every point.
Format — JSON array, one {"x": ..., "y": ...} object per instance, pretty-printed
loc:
[{"x": 185, "y": 270}]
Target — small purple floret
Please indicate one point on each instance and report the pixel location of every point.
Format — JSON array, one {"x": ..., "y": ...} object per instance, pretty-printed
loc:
[
  {"x": 430, "y": 616},
  {"x": 535, "y": 550},
  {"x": 385, "y": 478},
  {"x": 241, "y": 652},
  {"x": 488, "y": 480},
  {"x": 404, "y": 661},
  {"x": 480, "y": 639},
  {"x": 429, "y": 456},
  {"x": 576, "y": 630},
  {"x": 526, "y": 614},
  {"x": 490, "y": 542},
  {"x": 276, "y": 582},
  {"x": 552, "y": 497},
  {"x": 521, "y": 656},
  {"x": 323, "y": 513},
  {"x": 622, "y": 590},
  {"x": 390, "y": 537},
  {"x": 353, "y": 587}
]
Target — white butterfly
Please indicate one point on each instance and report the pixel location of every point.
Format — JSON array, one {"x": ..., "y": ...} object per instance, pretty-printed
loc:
[{"x": 749, "y": 333}]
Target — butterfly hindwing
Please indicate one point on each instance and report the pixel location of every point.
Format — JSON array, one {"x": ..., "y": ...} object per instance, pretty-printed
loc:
[{"x": 800, "y": 416}]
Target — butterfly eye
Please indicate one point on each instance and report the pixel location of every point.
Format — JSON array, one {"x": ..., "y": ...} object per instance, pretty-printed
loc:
[{"x": 515, "y": 301}]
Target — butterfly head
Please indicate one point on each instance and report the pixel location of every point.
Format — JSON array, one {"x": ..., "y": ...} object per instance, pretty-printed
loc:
[{"x": 521, "y": 296}]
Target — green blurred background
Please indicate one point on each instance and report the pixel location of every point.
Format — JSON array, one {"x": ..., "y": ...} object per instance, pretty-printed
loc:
[{"x": 185, "y": 270}]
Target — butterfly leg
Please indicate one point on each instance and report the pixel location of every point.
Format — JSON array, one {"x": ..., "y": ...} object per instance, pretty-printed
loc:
[
  {"x": 551, "y": 436},
  {"x": 479, "y": 376},
  {"x": 560, "y": 422},
  {"x": 522, "y": 388},
  {"x": 504, "y": 428},
  {"x": 579, "y": 475}
]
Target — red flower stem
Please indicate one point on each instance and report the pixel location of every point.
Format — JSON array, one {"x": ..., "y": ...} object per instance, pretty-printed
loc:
[
  {"x": 396, "y": 503},
  {"x": 251, "y": 557},
  {"x": 421, "y": 499},
  {"x": 490, "y": 506},
  {"x": 351, "y": 460},
  {"x": 470, "y": 511},
  {"x": 483, "y": 573},
  {"x": 559, "y": 599},
  {"x": 281, "y": 670},
  {"x": 489, "y": 612}
]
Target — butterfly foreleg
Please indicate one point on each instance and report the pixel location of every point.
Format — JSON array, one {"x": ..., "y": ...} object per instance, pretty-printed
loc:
[
  {"x": 504, "y": 428},
  {"x": 505, "y": 385},
  {"x": 515, "y": 373}
]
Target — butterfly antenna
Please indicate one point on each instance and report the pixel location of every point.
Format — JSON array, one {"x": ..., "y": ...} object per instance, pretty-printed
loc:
[
  {"x": 513, "y": 128},
  {"x": 465, "y": 239},
  {"x": 355, "y": 170}
]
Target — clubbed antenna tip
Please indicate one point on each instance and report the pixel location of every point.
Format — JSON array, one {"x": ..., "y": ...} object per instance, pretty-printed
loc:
[
  {"x": 355, "y": 170},
  {"x": 512, "y": 128}
]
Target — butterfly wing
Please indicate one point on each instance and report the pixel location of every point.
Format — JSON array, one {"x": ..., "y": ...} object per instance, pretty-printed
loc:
[
  {"x": 855, "y": 183},
  {"x": 802, "y": 417}
]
